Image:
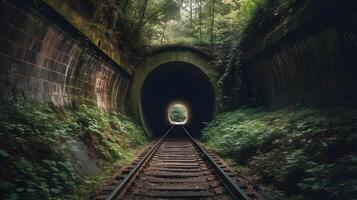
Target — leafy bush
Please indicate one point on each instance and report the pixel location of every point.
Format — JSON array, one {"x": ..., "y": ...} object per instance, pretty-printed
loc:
[
  {"x": 309, "y": 152},
  {"x": 35, "y": 157},
  {"x": 235, "y": 134},
  {"x": 115, "y": 134}
]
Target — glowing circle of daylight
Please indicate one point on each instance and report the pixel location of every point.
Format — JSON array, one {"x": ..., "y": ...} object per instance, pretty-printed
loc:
[{"x": 178, "y": 113}]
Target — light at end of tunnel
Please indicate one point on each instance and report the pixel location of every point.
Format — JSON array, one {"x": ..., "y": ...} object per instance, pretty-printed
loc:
[{"x": 178, "y": 113}]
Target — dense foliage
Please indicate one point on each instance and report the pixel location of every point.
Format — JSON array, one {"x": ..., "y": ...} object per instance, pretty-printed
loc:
[
  {"x": 248, "y": 24},
  {"x": 178, "y": 113},
  {"x": 202, "y": 22},
  {"x": 35, "y": 149},
  {"x": 175, "y": 21},
  {"x": 309, "y": 153}
]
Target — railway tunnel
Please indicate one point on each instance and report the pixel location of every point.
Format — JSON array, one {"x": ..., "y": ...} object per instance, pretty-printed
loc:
[
  {"x": 177, "y": 82},
  {"x": 174, "y": 74},
  {"x": 71, "y": 92}
]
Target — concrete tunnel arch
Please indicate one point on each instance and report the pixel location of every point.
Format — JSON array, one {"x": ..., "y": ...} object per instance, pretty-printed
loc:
[{"x": 174, "y": 73}]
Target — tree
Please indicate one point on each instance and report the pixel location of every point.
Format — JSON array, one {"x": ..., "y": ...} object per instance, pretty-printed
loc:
[
  {"x": 200, "y": 20},
  {"x": 213, "y": 5}
]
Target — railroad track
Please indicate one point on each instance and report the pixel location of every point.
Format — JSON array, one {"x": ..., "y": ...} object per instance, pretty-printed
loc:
[{"x": 178, "y": 168}]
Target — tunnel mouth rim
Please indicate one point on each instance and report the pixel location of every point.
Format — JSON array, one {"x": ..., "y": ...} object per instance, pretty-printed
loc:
[{"x": 205, "y": 70}]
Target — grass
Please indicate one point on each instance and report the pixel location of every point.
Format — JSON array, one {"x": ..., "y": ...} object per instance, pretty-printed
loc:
[
  {"x": 36, "y": 159},
  {"x": 299, "y": 153}
]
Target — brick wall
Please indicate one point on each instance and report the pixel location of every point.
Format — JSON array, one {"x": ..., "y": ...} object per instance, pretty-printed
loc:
[
  {"x": 46, "y": 62},
  {"x": 308, "y": 60}
]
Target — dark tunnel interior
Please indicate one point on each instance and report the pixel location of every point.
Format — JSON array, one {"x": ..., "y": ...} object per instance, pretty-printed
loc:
[{"x": 177, "y": 82}]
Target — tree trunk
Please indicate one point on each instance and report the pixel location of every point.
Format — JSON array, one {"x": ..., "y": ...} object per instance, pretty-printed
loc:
[
  {"x": 200, "y": 19},
  {"x": 213, "y": 4},
  {"x": 191, "y": 18},
  {"x": 164, "y": 31},
  {"x": 125, "y": 6},
  {"x": 141, "y": 18}
]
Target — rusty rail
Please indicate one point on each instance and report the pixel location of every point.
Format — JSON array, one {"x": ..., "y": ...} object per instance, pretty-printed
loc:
[
  {"x": 230, "y": 186},
  {"x": 119, "y": 191}
]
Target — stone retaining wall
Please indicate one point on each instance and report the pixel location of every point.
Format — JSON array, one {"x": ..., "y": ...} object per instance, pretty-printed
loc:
[
  {"x": 310, "y": 59},
  {"x": 49, "y": 62}
]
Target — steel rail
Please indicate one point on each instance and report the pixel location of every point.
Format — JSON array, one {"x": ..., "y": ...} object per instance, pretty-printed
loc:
[
  {"x": 234, "y": 190},
  {"x": 119, "y": 190}
]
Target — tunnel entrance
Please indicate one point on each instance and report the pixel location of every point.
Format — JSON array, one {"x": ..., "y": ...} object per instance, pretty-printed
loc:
[{"x": 177, "y": 82}]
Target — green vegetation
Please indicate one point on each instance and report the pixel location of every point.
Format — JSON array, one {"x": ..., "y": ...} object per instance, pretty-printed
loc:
[
  {"x": 159, "y": 22},
  {"x": 210, "y": 22},
  {"x": 178, "y": 113},
  {"x": 244, "y": 26},
  {"x": 36, "y": 159},
  {"x": 306, "y": 153}
]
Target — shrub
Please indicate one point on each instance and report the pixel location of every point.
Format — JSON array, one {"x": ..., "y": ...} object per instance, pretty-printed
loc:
[
  {"x": 308, "y": 152},
  {"x": 35, "y": 151}
]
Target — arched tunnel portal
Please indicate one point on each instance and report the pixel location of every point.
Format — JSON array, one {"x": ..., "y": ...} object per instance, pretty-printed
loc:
[{"x": 174, "y": 75}]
